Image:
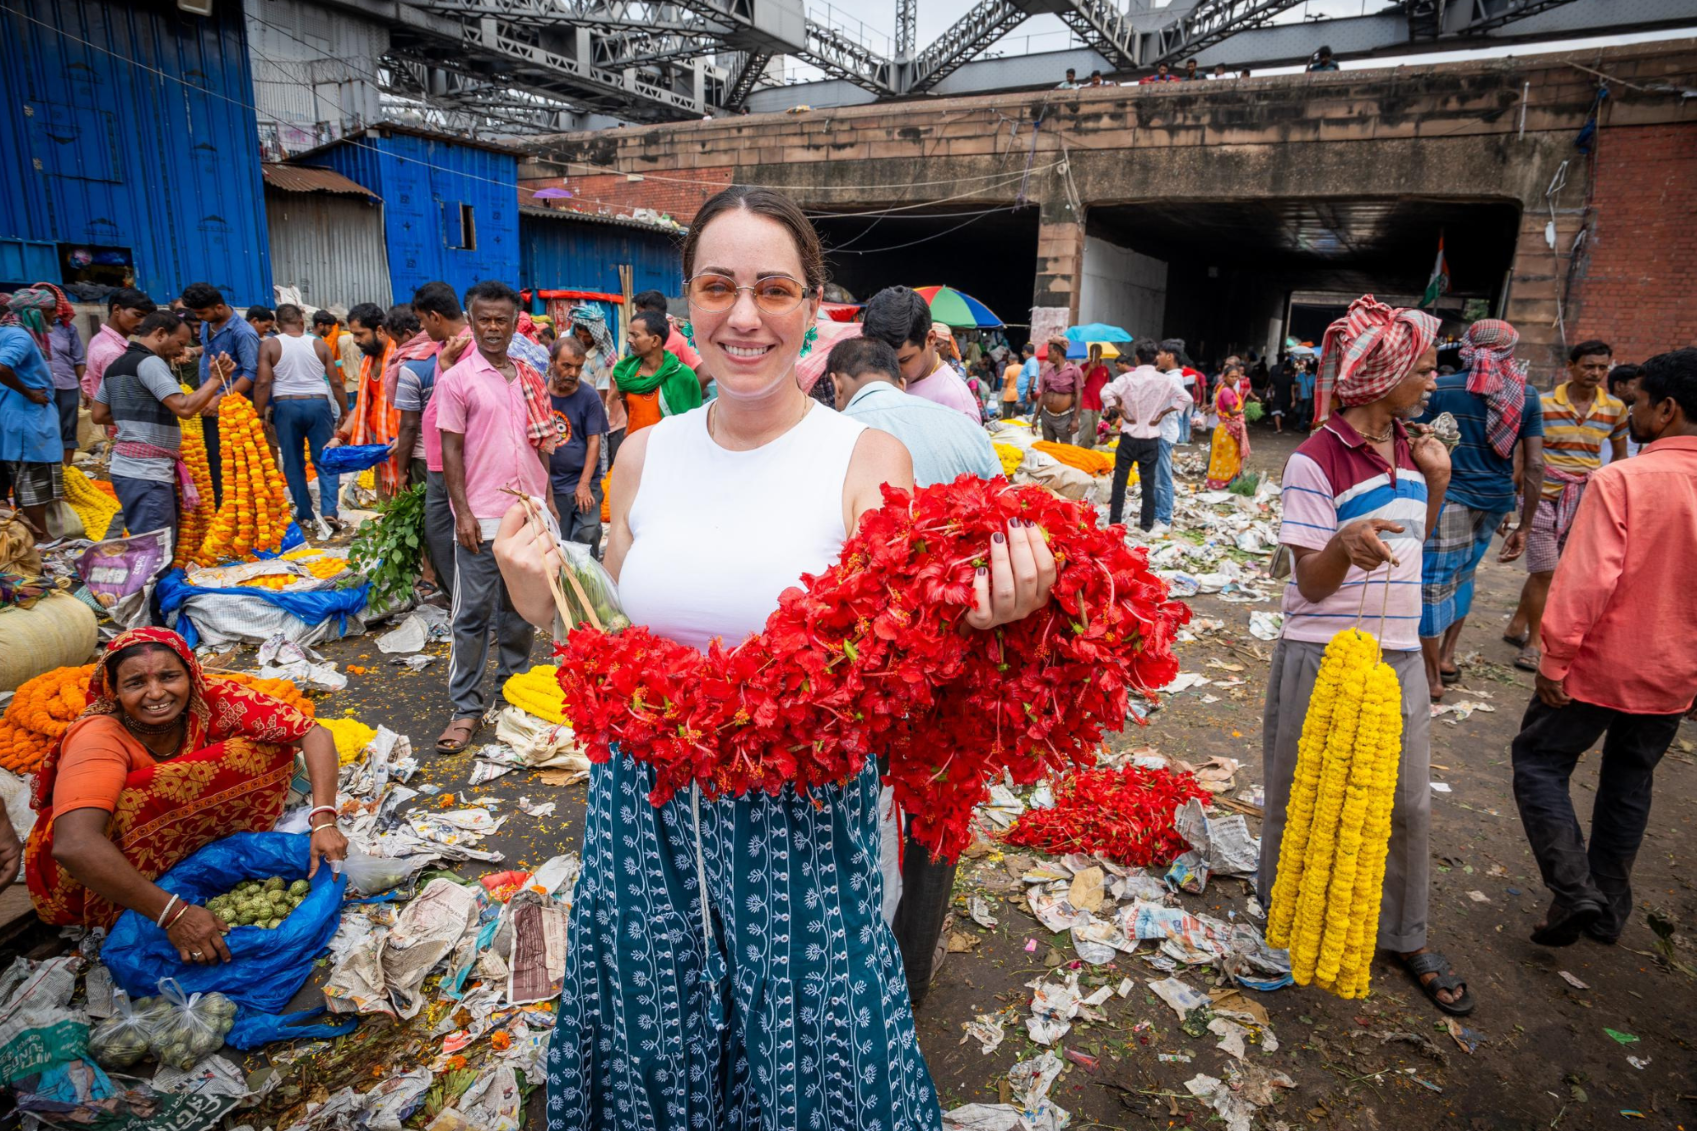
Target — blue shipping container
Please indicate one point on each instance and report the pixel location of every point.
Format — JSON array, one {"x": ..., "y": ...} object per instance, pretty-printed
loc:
[
  {"x": 127, "y": 132},
  {"x": 450, "y": 209},
  {"x": 563, "y": 252}
]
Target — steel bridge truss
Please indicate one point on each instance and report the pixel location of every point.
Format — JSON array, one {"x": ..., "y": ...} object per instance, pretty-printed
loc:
[{"x": 541, "y": 65}]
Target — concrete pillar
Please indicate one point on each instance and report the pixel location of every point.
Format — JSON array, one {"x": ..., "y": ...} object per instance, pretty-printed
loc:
[
  {"x": 1060, "y": 258},
  {"x": 1535, "y": 296}
]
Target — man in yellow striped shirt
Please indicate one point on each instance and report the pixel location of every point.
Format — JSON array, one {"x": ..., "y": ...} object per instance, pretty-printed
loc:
[{"x": 1580, "y": 416}]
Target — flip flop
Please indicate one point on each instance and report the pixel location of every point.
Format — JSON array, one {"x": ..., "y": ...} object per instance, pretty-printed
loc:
[
  {"x": 1517, "y": 641},
  {"x": 1433, "y": 962},
  {"x": 458, "y": 735},
  {"x": 1453, "y": 675},
  {"x": 1528, "y": 659}
]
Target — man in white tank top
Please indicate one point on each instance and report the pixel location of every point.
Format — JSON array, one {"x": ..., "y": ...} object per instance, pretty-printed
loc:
[{"x": 291, "y": 395}]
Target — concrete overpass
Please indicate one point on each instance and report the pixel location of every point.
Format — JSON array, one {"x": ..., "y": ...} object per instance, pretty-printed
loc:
[{"x": 1199, "y": 209}]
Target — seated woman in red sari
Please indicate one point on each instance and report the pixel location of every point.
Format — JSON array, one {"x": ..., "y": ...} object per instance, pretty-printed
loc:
[{"x": 165, "y": 760}]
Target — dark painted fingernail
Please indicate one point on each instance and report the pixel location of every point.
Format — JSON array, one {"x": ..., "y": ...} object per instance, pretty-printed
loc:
[
  {"x": 998, "y": 537},
  {"x": 983, "y": 572}
]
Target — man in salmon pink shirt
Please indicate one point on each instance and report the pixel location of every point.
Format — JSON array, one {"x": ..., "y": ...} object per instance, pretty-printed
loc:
[
  {"x": 1618, "y": 659},
  {"x": 125, "y": 309}
]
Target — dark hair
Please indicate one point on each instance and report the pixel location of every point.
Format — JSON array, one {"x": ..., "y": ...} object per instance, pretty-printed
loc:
[
  {"x": 367, "y": 314},
  {"x": 771, "y": 204},
  {"x": 136, "y": 651},
  {"x": 323, "y": 318},
  {"x": 492, "y": 290},
  {"x": 1144, "y": 350},
  {"x": 1672, "y": 375},
  {"x": 856, "y": 357},
  {"x": 567, "y": 341},
  {"x": 1071, "y": 70},
  {"x": 128, "y": 298},
  {"x": 402, "y": 322},
  {"x": 158, "y": 320},
  {"x": 1095, "y": 74},
  {"x": 1623, "y": 373},
  {"x": 288, "y": 314},
  {"x": 260, "y": 314},
  {"x": 200, "y": 296},
  {"x": 896, "y": 316},
  {"x": 1589, "y": 347},
  {"x": 654, "y": 322},
  {"x": 1174, "y": 346},
  {"x": 437, "y": 298},
  {"x": 1325, "y": 52},
  {"x": 649, "y": 300},
  {"x": 1029, "y": 347}
]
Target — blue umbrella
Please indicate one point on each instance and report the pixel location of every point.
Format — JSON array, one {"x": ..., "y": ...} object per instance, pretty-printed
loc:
[{"x": 1097, "y": 332}]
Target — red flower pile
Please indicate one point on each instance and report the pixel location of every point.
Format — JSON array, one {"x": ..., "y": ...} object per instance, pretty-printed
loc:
[
  {"x": 1124, "y": 815},
  {"x": 873, "y": 657}
]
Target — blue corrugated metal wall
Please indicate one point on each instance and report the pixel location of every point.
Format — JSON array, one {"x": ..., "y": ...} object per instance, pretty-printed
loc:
[
  {"x": 131, "y": 125},
  {"x": 423, "y": 182},
  {"x": 576, "y": 255}
]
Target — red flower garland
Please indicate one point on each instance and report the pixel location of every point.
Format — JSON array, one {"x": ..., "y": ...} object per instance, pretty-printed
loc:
[
  {"x": 1124, "y": 815},
  {"x": 874, "y": 657}
]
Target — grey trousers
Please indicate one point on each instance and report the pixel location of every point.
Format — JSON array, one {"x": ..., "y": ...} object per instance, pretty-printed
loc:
[
  {"x": 1402, "y": 914},
  {"x": 439, "y": 528},
  {"x": 480, "y": 599}
]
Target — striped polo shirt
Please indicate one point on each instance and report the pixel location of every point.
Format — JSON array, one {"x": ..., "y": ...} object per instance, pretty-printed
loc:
[
  {"x": 1332, "y": 480},
  {"x": 1574, "y": 443}
]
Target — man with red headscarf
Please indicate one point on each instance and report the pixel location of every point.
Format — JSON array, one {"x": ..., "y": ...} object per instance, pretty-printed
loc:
[
  {"x": 1496, "y": 414},
  {"x": 1359, "y": 495}
]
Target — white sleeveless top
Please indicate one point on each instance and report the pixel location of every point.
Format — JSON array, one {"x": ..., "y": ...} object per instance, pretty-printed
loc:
[
  {"x": 297, "y": 372},
  {"x": 718, "y": 535}
]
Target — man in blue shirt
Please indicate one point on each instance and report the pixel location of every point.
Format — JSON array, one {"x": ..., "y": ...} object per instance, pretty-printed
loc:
[
  {"x": 68, "y": 361},
  {"x": 944, "y": 445},
  {"x": 1496, "y": 412},
  {"x": 30, "y": 468},
  {"x": 1028, "y": 375},
  {"x": 221, "y": 332},
  {"x": 573, "y": 466}
]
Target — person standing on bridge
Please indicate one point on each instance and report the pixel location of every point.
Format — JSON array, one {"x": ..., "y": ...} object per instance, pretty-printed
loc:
[
  {"x": 1359, "y": 495},
  {"x": 1617, "y": 660}
]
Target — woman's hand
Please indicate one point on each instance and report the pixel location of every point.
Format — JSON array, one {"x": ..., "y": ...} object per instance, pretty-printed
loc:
[
  {"x": 198, "y": 935},
  {"x": 1018, "y": 580},
  {"x": 327, "y": 843}
]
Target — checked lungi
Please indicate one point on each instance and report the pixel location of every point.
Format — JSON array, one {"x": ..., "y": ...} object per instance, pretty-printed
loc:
[{"x": 1452, "y": 554}]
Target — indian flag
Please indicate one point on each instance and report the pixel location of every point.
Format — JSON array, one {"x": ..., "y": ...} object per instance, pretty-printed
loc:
[{"x": 1440, "y": 280}]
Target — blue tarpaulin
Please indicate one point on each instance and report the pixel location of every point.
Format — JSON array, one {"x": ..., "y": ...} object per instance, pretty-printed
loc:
[{"x": 313, "y": 607}]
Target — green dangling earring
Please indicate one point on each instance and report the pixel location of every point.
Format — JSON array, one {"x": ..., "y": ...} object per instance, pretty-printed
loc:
[{"x": 808, "y": 339}]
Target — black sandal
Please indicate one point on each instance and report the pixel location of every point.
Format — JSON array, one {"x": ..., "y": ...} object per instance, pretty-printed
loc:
[
  {"x": 1449, "y": 676},
  {"x": 1433, "y": 962}
]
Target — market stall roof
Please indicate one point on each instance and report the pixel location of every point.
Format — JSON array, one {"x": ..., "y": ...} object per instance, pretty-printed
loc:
[{"x": 305, "y": 178}]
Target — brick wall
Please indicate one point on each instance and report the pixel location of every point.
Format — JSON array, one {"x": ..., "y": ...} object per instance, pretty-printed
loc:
[{"x": 1633, "y": 286}]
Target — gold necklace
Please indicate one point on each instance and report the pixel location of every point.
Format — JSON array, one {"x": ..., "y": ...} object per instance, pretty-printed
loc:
[{"x": 713, "y": 416}]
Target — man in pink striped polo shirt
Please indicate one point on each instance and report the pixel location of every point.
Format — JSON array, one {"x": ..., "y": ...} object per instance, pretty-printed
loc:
[{"x": 1359, "y": 496}]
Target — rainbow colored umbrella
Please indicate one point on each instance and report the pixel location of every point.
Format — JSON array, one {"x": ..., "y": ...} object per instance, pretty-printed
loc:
[{"x": 957, "y": 308}]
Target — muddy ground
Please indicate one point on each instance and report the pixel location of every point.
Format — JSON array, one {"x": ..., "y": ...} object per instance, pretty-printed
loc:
[{"x": 1543, "y": 1058}]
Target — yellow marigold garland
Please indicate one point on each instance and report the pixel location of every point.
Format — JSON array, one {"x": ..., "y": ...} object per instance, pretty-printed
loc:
[
  {"x": 1011, "y": 456},
  {"x": 195, "y": 523},
  {"x": 537, "y": 692},
  {"x": 351, "y": 735},
  {"x": 94, "y": 507},
  {"x": 1325, "y": 899}
]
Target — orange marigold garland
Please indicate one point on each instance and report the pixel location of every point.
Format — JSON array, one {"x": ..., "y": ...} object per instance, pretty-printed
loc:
[
  {"x": 255, "y": 512},
  {"x": 197, "y": 522}
]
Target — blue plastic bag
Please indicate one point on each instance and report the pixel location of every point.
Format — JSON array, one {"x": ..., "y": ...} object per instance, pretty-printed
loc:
[
  {"x": 254, "y": 1030},
  {"x": 266, "y": 967},
  {"x": 351, "y": 458},
  {"x": 313, "y": 606}
]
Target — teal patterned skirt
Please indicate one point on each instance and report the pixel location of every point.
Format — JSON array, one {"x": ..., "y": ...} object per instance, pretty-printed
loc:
[{"x": 785, "y": 1008}]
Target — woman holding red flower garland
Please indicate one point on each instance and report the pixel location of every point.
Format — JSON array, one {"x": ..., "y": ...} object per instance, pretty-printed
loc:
[{"x": 729, "y": 966}]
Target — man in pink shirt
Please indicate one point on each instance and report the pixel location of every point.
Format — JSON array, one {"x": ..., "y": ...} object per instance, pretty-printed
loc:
[
  {"x": 487, "y": 446},
  {"x": 901, "y": 319},
  {"x": 1143, "y": 397},
  {"x": 125, "y": 308},
  {"x": 1618, "y": 659}
]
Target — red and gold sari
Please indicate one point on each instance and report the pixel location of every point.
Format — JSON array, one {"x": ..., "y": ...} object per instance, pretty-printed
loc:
[{"x": 238, "y": 755}]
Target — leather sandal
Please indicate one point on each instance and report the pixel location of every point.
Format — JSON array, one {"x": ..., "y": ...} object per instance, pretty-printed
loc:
[
  {"x": 458, "y": 735},
  {"x": 1433, "y": 962}
]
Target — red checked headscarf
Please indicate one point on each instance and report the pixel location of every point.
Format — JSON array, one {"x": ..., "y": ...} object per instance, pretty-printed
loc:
[
  {"x": 1487, "y": 349},
  {"x": 1367, "y": 351}
]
